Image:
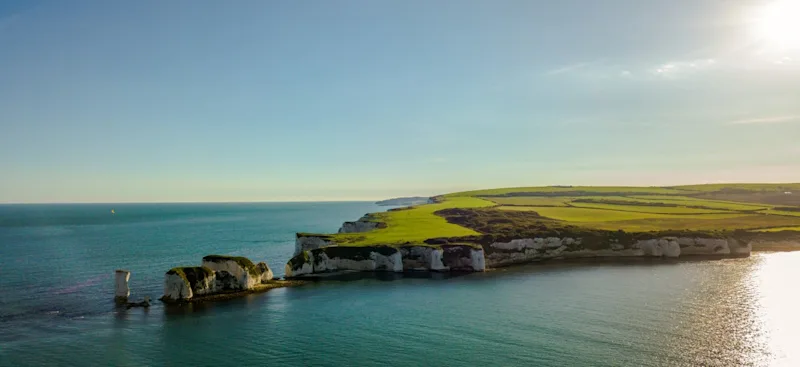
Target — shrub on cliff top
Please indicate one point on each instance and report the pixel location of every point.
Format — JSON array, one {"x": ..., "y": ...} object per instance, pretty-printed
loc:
[{"x": 244, "y": 262}]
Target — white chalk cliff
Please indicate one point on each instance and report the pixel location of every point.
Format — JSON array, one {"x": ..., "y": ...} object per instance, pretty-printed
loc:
[
  {"x": 121, "y": 290},
  {"x": 384, "y": 258},
  {"x": 217, "y": 274},
  {"x": 540, "y": 248},
  {"x": 310, "y": 242}
]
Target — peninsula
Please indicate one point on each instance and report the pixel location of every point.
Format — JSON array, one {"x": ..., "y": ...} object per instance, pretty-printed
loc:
[{"x": 476, "y": 230}]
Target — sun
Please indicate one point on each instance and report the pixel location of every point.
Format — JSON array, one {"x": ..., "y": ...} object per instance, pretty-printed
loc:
[{"x": 777, "y": 24}]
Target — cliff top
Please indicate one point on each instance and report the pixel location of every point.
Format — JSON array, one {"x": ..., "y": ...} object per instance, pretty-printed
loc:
[
  {"x": 244, "y": 262},
  {"x": 702, "y": 210}
]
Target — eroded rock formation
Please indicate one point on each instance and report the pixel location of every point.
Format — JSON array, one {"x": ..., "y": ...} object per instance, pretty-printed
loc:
[
  {"x": 218, "y": 274},
  {"x": 307, "y": 242}
]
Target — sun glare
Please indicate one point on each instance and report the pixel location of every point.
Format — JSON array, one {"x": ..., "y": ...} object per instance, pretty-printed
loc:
[{"x": 777, "y": 24}]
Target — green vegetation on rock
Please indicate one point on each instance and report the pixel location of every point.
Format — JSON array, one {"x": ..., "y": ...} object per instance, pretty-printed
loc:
[
  {"x": 589, "y": 211},
  {"x": 191, "y": 274},
  {"x": 299, "y": 260},
  {"x": 244, "y": 262}
]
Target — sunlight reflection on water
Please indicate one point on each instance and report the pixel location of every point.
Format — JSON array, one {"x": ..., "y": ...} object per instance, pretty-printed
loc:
[{"x": 774, "y": 284}]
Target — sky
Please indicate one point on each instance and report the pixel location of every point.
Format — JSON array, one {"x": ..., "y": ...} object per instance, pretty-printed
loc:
[{"x": 173, "y": 101}]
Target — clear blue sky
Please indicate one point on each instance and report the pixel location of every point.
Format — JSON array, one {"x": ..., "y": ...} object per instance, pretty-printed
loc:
[{"x": 108, "y": 101}]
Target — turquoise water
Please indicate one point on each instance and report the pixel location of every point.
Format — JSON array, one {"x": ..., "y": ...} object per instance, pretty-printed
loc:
[{"x": 56, "y": 264}]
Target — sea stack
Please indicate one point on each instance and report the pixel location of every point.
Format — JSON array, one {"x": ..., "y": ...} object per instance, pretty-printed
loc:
[{"x": 121, "y": 290}]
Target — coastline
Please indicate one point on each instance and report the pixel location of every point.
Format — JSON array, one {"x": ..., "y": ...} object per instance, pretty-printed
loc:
[{"x": 351, "y": 275}]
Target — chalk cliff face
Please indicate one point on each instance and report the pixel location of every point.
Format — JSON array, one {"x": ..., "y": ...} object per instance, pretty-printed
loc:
[
  {"x": 463, "y": 258},
  {"x": 385, "y": 258},
  {"x": 537, "y": 249},
  {"x": 121, "y": 290},
  {"x": 265, "y": 271},
  {"x": 245, "y": 274},
  {"x": 422, "y": 258},
  {"x": 368, "y": 259},
  {"x": 304, "y": 242}
]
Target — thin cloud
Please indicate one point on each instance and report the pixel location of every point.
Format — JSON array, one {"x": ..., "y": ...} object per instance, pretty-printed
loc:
[
  {"x": 571, "y": 68},
  {"x": 766, "y": 120},
  {"x": 683, "y": 67}
]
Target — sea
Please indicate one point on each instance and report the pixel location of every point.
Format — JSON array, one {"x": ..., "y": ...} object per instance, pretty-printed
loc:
[{"x": 57, "y": 309}]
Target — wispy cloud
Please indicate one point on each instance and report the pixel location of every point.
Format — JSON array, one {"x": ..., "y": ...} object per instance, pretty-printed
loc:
[
  {"x": 571, "y": 67},
  {"x": 675, "y": 68},
  {"x": 766, "y": 120},
  {"x": 667, "y": 70}
]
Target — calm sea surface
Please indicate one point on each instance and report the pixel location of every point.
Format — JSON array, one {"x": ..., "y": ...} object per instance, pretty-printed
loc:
[{"x": 56, "y": 307}]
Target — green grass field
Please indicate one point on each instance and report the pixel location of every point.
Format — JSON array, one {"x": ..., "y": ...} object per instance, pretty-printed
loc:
[
  {"x": 630, "y": 209},
  {"x": 584, "y": 215},
  {"x": 561, "y": 189},
  {"x": 633, "y": 208},
  {"x": 532, "y": 201},
  {"x": 783, "y": 212},
  {"x": 687, "y": 201},
  {"x": 742, "y": 186},
  {"x": 415, "y": 225},
  {"x": 779, "y": 229},
  {"x": 712, "y": 222}
]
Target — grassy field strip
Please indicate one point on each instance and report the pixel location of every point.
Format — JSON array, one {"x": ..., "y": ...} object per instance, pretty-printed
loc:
[
  {"x": 585, "y": 215},
  {"x": 632, "y": 209},
  {"x": 555, "y": 189},
  {"x": 714, "y": 204},
  {"x": 416, "y": 225},
  {"x": 650, "y": 209},
  {"x": 782, "y": 212},
  {"x": 778, "y": 229},
  {"x": 749, "y": 187},
  {"x": 532, "y": 200},
  {"x": 716, "y": 222}
]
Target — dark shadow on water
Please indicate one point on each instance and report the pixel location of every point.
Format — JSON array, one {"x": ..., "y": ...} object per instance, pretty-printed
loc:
[
  {"x": 254, "y": 300},
  {"x": 390, "y": 276}
]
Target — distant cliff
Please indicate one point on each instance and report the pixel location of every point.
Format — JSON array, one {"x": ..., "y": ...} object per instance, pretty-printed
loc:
[{"x": 407, "y": 201}]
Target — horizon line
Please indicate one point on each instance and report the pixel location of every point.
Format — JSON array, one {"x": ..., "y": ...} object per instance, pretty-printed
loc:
[
  {"x": 375, "y": 200},
  {"x": 186, "y": 202}
]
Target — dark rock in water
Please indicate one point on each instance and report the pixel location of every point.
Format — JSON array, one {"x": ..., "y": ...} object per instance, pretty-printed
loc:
[
  {"x": 145, "y": 303},
  {"x": 218, "y": 274}
]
